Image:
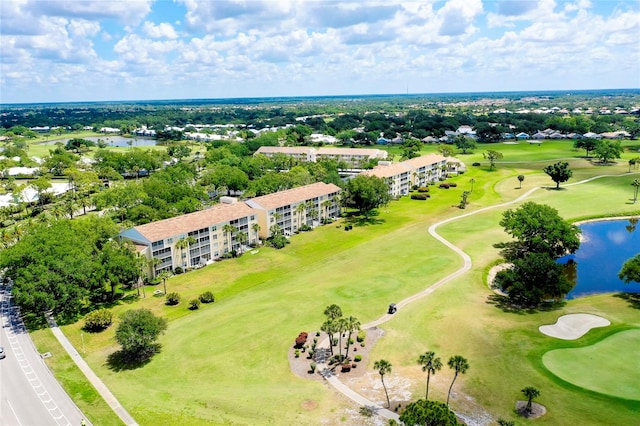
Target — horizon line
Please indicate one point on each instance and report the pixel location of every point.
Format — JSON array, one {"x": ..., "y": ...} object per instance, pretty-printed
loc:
[{"x": 282, "y": 98}]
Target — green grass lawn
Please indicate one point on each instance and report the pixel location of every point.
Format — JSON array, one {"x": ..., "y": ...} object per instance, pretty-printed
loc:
[
  {"x": 226, "y": 363},
  {"x": 73, "y": 381},
  {"x": 610, "y": 366}
]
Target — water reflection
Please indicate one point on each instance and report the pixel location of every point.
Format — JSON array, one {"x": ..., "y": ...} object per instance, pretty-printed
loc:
[{"x": 606, "y": 246}]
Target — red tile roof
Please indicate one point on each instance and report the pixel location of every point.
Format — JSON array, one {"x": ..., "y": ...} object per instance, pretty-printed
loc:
[{"x": 295, "y": 195}]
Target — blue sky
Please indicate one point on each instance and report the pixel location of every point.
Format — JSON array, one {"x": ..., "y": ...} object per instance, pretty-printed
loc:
[{"x": 94, "y": 50}]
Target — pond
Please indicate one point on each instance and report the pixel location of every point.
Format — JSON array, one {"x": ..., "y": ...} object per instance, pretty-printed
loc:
[
  {"x": 606, "y": 245},
  {"x": 114, "y": 141}
]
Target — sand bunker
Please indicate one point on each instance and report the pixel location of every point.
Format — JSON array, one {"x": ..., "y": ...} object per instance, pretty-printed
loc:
[{"x": 573, "y": 326}]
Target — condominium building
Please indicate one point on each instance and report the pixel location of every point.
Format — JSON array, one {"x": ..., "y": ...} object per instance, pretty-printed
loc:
[
  {"x": 416, "y": 171},
  {"x": 353, "y": 157},
  {"x": 194, "y": 239},
  {"x": 290, "y": 209}
]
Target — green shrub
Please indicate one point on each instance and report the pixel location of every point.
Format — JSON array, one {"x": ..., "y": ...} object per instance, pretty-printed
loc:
[
  {"x": 297, "y": 353},
  {"x": 98, "y": 320},
  {"x": 453, "y": 185},
  {"x": 305, "y": 227},
  {"x": 312, "y": 368},
  {"x": 423, "y": 189},
  {"x": 351, "y": 340},
  {"x": 420, "y": 196},
  {"x": 357, "y": 358},
  {"x": 207, "y": 297},
  {"x": 173, "y": 299},
  {"x": 194, "y": 304},
  {"x": 178, "y": 270},
  {"x": 361, "y": 336}
]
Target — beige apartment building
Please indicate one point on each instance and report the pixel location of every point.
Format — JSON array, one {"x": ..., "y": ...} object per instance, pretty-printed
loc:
[
  {"x": 354, "y": 157},
  {"x": 195, "y": 239},
  {"x": 290, "y": 209}
]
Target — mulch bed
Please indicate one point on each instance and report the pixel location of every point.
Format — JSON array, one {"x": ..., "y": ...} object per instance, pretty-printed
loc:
[
  {"x": 537, "y": 410},
  {"x": 301, "y": 366}
]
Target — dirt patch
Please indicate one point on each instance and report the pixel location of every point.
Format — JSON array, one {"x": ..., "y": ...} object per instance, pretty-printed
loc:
[
  {"x": 301, "y": 366},
  {"x": 309, "y": 404},
  {"x": 537, "y": 410}
]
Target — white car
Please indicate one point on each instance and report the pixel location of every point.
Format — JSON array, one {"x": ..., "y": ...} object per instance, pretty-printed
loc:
[{"x": 3, "y": 354}]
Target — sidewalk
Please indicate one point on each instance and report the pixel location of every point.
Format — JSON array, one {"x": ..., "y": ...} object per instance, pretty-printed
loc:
[{"x": 91, "y": 376}]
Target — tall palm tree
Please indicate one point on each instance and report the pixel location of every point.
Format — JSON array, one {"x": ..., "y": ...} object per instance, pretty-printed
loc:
[
  {"x": 228, "y": 230},
  {"x": 300, "y": 208},
  {"x": 256, "y": 229},
  {"x": 636, "y": 186},
  {"x": 180, "y": 245},
  {"x": 384, "y": 367},
  {"x": 333, "y": 312},
  {"x": 325, "y": 208},
  {"x": 430, "y": 363},
  {"x": 460, "y": 365},
  {"x": 330, "y": 327},
  {"x": 352, "y": 324},
  {"x": 242, "y": 239},
  {"x": 530, "y": 392},
  {"x": 164, "y": 276}
]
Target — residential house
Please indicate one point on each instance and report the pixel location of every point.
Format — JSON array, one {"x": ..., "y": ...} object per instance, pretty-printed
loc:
[
  {"x": 303, "y": 154},
  {"x": 292, "y": 208},
  {"x": 522, "y": 136}
]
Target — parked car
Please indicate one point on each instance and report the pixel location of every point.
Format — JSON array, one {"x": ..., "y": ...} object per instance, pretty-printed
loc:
[{"x": 3, "y": 354}]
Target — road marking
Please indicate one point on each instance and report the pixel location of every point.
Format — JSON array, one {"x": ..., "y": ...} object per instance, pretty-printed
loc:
[
  {"x": 15, "y": 323},
  {"x": 14, "y": 413}
]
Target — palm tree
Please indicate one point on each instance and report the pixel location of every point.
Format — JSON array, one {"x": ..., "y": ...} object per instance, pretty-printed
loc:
[
  {"x": 460, "y": 365},
  {"x": 242, "y": 239},
  {"x": 333, "y": 312},
  {"x": 383, "y": 366},
  {"x": 256, "y": 229},
  {"x": 530, "y": 392},
  {"x": 228, "y": 230},
  {"x": 636, "y": 186},
  {"x": 341, "y": 327},
  {"x": 352, "y": 324},
  {"x": 430, "y": 363},
  {"x": 330, "y": 327},
  {"x": 300, "y": 208},
  {"x": 325, "y": 207},
  {"x": 164, "y": 276},
  {"x": 181, "y": 244}
]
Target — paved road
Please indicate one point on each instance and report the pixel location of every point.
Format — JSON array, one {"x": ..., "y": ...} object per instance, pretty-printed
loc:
[{"x": 29, "y": 393}]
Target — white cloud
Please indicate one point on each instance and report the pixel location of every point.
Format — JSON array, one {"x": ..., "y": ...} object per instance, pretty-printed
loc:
[{"x": 162, "y": 30}]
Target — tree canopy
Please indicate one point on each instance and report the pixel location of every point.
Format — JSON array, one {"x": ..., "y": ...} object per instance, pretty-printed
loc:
[
  {"x": 432, "y": 413},
  {"x": 631, "y": 270},
  {"x": 367, "y": 193},
  {"x": 137, "y": 333},
  {"x": 538, "y": 228},
  {"x": 559, "y": 172},
  {"x": 67, "y": 266},
  {"x": 533, "y": 279},
  {"x": 608, "y": 150}
]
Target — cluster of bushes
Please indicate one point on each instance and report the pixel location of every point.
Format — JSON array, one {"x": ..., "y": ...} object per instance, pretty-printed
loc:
[
  {"x": 423, "y": 189},
  {"x": 476, "y": 164},
  {"x": 207, "y": 297},
  {"x": 301, "y": 339},
  {"x": 361, "y": 336},
  {"x": 194, "y": 304},
  {"x": 173, "y": 299},
  {"x": 444, "y": 185},
  {"x": 277, "y": 241},
  {"x": 98, "y": 320},
  {"x": 305, "y": 227},
  {"x": 420, "y": 196}
]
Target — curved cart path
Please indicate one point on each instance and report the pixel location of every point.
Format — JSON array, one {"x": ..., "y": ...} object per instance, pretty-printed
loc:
[{"x": 324, "y": 369}]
